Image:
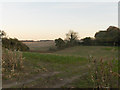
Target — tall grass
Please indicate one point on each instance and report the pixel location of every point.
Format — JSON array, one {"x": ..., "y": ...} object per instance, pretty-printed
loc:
[
  {"x": 12, "y": 63},
  {"x": 104, "y": 74}
]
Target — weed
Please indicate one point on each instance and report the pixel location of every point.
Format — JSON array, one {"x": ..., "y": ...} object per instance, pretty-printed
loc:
[
  {"x": 103, "y": 73},
  {"x": 12, "y": 61}
]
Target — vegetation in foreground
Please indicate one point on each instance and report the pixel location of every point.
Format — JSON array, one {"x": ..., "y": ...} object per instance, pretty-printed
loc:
[
  {"x": 72, "y": 69},
  {"x": 12, "y": 63}
]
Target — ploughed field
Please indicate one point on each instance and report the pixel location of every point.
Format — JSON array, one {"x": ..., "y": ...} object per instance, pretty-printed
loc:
[{"x": 60, "y": 69}]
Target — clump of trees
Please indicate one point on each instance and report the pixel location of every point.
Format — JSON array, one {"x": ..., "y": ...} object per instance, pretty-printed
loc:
[
  {"x": 71, "y": 40},
  {"x": 87, "y": 41},
  {"x": 13, "y": 43},
  {"x": 102, "y": 73},
  {"x": 109, "y": 37},
  {"x": 60, "y": 43}
]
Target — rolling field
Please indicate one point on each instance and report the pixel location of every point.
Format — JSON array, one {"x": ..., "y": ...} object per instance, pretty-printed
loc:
[
  {"x": 105, "y": 52},
  {"x": 40, "y": 46},
  {"x": 64, "y": 68}
]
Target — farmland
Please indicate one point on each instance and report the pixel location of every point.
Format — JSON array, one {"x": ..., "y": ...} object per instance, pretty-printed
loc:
[
  {"x": 64, "y": 68},
  {"x": 43, "y": 46},
  {"x": 59, "y": 45}
]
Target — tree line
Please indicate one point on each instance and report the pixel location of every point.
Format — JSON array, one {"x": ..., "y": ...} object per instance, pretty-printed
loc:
[{"x": 109, "y": 37}]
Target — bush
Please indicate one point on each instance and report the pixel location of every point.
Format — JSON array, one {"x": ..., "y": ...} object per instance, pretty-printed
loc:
[
  {"x": 60, "y": 44},
  {"x": 14, "y": 44}
]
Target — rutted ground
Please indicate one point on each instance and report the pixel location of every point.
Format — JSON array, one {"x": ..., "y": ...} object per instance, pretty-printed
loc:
[
  {"x": 22, "y": 83},
  {"x": 54, "y": 80}
]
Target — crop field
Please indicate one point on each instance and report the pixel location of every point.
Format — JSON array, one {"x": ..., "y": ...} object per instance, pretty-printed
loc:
[
  {"x": 67, "y": 68},
  {"x": 43, "y": 46}
]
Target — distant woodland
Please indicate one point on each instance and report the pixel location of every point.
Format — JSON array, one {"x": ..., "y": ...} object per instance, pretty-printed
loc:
[{"x": 109, "y": 37}]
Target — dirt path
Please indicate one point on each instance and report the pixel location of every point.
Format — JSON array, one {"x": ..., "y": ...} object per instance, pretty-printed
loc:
[
  {"x": 58, "y": 85},
  {"x": 50, "y": 74},
  {"x": 8, "y": 85},
  {"x": 68, "y": 80}
]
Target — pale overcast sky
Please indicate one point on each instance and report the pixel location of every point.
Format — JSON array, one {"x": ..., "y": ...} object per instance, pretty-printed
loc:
[{"x": 51, "y": 20}]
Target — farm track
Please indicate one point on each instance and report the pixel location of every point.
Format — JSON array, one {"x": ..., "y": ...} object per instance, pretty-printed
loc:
[
  {"x": 68, "y": 80},
  {"x": 61, "y": 81},
  {"x": 58, "y": 85},
  {"x": 65, "y": 81},
  {"x": 36, "y": 77}
]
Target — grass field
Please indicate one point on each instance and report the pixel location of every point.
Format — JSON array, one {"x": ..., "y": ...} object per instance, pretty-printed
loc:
[
  {"x": 64, "y": 68},
  {"x": 106, "y": 52},
  {"x": 40, "y": 46}
]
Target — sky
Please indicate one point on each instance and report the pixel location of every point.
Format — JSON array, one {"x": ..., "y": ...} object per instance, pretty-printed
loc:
[{"x": 51, "y": 20}]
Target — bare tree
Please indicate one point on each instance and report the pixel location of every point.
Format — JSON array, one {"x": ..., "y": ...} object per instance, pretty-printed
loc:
[{"x": 72, "y": 37}]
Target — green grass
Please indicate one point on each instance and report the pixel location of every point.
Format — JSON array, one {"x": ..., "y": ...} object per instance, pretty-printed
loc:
[
  {"x": 86, "y": 51},
  {"x": 115, "y": 65},
  {"x": 53, "y": 58},
  {"x": 108, "y": 48},
  {"x": 83, "y": 82}
]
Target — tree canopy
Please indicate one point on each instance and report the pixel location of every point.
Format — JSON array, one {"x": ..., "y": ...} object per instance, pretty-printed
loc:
[
  {"x": 12, "y": 44},
  {"x": 110, "y": 36}
]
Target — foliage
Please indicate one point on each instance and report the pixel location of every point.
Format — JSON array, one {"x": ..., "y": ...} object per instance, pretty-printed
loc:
[
  {"x": 2, "y": 33},
  {"x": 71, "y": 38},
  {"x": 12, "y": 61},
  {"x": 60, "y": 43},
  {"x": 109, "y": 37},
  {"x": 87, "y": 41},
  {"x": 103, "y": 73},
  {"x": 14, "y": 44}
]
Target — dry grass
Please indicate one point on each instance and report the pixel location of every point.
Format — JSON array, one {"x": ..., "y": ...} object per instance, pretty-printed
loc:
[
  {"x": 12, "y": 63},
  {"x": 40, "y": 46},
  {"x": 104, "y": 74}
]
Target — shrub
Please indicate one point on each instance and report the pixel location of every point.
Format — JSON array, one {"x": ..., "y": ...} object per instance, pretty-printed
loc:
[
  {"x": 60, "y": 44},
  {"x": 14, "y": 44}
]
